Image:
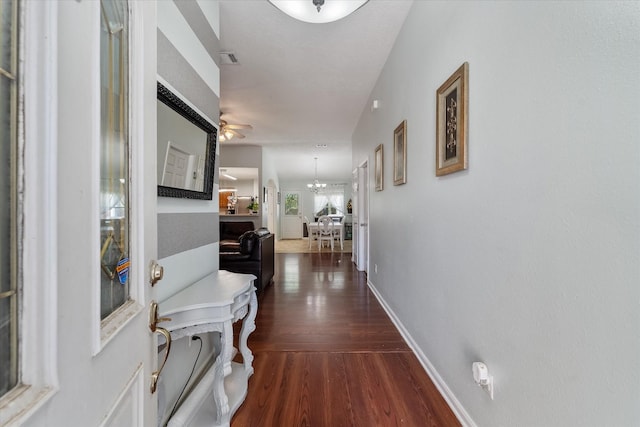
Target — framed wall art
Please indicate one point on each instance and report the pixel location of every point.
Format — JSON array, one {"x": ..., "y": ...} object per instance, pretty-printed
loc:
[
  {"x": 400, "y": 154},
  {"x": 451, "y": 122},
  {"x": 378, "y": 168}
]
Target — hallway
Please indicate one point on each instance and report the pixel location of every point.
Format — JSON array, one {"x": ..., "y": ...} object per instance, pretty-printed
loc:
[{"x": 326, "y": 354}]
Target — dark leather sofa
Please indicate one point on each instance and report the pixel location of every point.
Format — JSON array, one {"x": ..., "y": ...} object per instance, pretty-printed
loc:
[
  {"x": 252, "y": 253},
  {"x": 230, "y": 232}
]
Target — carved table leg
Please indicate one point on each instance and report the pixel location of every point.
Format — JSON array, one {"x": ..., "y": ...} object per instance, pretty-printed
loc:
[
  {"x": 219, "y": 395},
  {"x": 248, "y": 326},
  {"x": 226, "y": 341}
]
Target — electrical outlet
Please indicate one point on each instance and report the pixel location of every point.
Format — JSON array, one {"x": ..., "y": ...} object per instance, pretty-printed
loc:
[
  {"x": 375, "y": 268},
  {"x": 192, "y": 338},
  {"x": 482, "y": 377}
]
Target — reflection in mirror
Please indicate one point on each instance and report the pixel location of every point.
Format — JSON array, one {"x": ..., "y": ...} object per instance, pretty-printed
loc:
[
  {"x": 181, "y": 151},
  {"x": 239, "y": 187},
  {"x": 186, "y": 149}
]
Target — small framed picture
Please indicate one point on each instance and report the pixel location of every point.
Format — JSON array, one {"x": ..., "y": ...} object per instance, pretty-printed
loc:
[
  {"x": 378, "y": 169},
  {"x": 400, "y": 154},
  {"x": 452, "y": 122}
]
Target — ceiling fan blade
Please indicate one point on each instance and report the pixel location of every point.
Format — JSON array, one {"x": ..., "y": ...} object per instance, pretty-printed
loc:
[{"x": 238, "y": 126}]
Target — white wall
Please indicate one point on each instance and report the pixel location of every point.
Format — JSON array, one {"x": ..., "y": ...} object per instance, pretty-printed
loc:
[
  {"x": 528, "y": 260},
  {"x": 270, "y": 174}
]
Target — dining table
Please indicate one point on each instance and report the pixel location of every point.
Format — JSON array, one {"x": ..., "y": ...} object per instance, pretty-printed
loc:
[{"x": 312, "y": 227}]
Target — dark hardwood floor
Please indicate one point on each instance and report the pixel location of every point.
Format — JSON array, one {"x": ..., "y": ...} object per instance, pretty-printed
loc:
[{"x": 326, "y": 354}]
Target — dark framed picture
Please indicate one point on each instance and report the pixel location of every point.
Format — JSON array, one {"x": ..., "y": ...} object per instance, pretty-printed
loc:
[
  {"x": 378, "y": 168},
  {"x": 400, "y": 154},
  {"x": 452, "y": 122}
]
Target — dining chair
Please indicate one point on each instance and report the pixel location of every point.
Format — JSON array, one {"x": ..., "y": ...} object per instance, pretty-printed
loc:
[
  {"x": 311, "y": 231},
  {"x": 325, "y": 231},
  {"x": 337, "y": 230}
]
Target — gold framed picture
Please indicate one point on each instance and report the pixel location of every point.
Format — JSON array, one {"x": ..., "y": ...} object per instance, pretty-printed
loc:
[
  {"x": 378, "y": 168},
  {"x": 452, "y": 122},
  {"x": 400, "y": 154}
]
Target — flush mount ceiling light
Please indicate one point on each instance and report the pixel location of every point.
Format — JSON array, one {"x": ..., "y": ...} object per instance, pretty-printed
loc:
[{"x": 318, "y": 11}]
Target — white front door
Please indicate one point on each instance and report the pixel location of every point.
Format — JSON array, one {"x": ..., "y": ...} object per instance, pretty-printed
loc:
[
  {"x": 124, "y": 355},
  {"x": 291, "y": 215}
]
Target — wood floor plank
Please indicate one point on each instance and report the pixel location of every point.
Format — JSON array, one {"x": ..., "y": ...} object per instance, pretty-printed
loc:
[{"x": 327, "y": 354}]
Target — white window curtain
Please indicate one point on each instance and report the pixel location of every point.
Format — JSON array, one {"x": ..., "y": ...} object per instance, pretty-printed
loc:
[{"x": 330, "y": 201}]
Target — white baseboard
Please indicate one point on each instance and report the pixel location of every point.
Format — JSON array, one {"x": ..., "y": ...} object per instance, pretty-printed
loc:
[{"x": 437, "y": 380}]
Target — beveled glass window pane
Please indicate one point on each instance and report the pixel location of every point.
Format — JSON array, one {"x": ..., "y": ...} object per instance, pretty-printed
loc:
[
  {"x": 114, "y": 156},
  {"x": 8, "y": 200}
]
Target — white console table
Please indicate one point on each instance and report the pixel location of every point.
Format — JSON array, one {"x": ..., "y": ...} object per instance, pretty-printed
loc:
[{"x": 213, "y": 304}]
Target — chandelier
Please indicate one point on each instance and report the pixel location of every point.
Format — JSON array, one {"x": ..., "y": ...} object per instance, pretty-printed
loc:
[
  {"x": 318, "y": 11},
  {"x": 316, "y": 186}
]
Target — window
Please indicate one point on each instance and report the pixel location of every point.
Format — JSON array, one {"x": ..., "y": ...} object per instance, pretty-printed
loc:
[
  {"x": 114, "y": 156},
  {"x": 329, "y": 201},
  {"x": 9, "y": 233}
]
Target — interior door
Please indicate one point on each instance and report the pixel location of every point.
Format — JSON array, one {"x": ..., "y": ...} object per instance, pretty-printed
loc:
[
  {"x": 355, "y": 231},
  {"x": 291, "y": 215},
  {"x": 175, "y": 167},
  {"x": 363, "y": 218}
]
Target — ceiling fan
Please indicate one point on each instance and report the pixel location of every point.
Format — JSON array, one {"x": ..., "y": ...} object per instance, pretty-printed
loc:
[{"x": 229, "y": 130}]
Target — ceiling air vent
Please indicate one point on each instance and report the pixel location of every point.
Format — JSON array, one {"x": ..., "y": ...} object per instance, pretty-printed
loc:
[{"x": 228, "y": 58}]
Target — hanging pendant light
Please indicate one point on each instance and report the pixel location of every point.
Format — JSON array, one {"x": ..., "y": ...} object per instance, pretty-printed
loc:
[
  {"x": 318, "y": 11},
  {"x": 316, "y": 186}
]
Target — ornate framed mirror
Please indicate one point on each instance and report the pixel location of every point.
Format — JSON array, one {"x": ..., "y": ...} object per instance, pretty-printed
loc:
[{"x": 186, "y": 149}]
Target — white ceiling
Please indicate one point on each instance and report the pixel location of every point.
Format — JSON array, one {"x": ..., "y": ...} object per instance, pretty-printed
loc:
[{"x": 301, "y": 84}]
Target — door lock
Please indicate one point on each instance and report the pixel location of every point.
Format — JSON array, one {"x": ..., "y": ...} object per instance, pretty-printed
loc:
[{"x": 156, "y": 271}]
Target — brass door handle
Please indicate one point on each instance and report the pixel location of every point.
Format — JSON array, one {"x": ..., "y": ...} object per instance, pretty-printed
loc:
[
  {"x": 153, "y": 325},
  {"x": 153, "y": 317},
  {"x": 156, "y": 375}
]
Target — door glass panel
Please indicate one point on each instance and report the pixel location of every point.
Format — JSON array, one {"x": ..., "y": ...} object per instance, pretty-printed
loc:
[
  {"x": 114, "y": 156},
  {"x": 291, "y": 204},
  {"x": 8, "y": 197}
]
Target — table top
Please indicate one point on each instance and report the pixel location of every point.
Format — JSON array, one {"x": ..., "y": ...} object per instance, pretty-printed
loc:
[
  {"x": 215, "y": 290},
  {"x": 335, "y": 224}
]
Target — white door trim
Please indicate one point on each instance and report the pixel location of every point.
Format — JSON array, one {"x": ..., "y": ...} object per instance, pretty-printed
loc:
[
  {"x": 39, "y": 318},
  {"x": 362, "y": 262}
]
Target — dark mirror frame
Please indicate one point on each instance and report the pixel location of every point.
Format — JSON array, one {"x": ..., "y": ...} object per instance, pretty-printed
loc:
[{"x": 172, "y": 101}]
